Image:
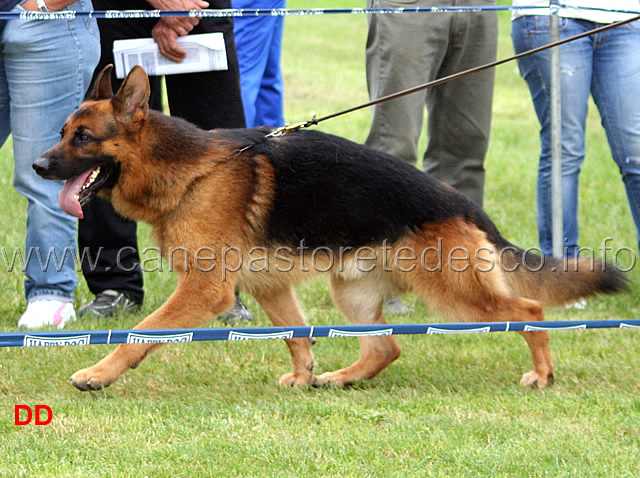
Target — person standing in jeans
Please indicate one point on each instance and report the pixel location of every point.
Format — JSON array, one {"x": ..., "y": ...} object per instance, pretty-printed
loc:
[
  {"x": 45, "y": 70},
  {"x": 259, "y": 42},
  {"x": 605, "y": 66}
]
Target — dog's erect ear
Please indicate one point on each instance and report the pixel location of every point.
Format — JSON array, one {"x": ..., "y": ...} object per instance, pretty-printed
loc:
[
  {"x": 101, "y": 89},
  {"x": 131, "y": 102}
]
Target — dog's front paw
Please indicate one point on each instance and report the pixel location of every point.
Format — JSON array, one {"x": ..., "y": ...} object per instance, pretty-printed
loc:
[
  {"x": 91, "y": 378},
  {"x": 534, "y": 379},
  {"x": 294, "y": 380}
]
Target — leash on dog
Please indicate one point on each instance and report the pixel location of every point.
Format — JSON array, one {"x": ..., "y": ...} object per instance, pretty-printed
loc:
[{"x": 314, "y": 121}]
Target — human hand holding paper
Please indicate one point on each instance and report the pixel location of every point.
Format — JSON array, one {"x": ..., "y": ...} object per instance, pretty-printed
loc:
[{"x": 168, "y": 29}]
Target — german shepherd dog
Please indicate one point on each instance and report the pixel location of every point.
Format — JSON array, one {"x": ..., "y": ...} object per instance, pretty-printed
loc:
[{"x": 280, "y": 209}]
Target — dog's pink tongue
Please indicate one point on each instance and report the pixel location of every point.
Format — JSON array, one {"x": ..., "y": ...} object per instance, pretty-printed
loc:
[{"x": 68, "y": 196}]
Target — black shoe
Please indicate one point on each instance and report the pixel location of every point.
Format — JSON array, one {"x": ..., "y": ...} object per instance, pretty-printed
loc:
[
  {"x": 109, "y": 303},
  {"x": 237, "y": 313}
]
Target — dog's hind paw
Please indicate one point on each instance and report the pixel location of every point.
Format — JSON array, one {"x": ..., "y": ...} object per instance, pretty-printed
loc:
[
  {"x": 534, "y": 379},
  {"x": 332, "y": 379},
  {"x": 293, "y": 380}
]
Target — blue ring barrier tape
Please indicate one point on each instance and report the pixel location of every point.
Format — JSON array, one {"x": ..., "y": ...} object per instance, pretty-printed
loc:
[
  {"x": 96, "y": 337},
  {"x": 246, "y": 12},
  {"x": 253, "y": 12}
]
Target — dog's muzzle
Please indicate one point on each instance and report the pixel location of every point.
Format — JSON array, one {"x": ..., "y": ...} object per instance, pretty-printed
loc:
[{"x": 42, "y": 167}]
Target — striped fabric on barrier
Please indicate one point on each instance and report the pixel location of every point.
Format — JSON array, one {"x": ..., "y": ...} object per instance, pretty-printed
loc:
[
  {"x": 247, "y": 12},
  {"x": 253, "y": 12}
]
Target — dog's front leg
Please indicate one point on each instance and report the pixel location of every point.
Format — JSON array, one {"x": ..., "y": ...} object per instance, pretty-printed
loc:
[
  {"x": 283, "y": 310},
  {"x": 191, "y": 304}
]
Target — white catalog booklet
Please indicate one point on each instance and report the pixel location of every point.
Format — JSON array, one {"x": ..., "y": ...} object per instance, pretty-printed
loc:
[{"x": 205, "y": 52}]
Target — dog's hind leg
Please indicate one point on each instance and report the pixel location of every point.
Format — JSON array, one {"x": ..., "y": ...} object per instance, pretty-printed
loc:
[
  {"x": 472, "y": 287},
  {"x": 192, "y": 303},
  {"x": 517, "y": 309},
  {"x": 361, "y": 302},
  {"x": 473, "y": 296},
  {"x": 283, "y": 310}
]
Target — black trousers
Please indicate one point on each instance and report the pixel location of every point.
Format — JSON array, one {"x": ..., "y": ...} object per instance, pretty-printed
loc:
[{"x": 209, "y": 100}]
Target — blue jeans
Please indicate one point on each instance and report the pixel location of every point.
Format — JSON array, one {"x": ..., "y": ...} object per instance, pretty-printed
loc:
[
  {"x": 259, "y": 45},
  {"x": 606, "y": 66},
  {"x": 45, "y": 70}
]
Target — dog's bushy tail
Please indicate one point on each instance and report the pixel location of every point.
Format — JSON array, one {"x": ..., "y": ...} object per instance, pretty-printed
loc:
[{"x": 554, "y": 281}]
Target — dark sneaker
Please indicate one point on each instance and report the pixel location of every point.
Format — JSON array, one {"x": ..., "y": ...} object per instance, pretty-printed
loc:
[
  {"x": 237, "y": 313},
  {"x": 395, "y": 306},
  {"x": 109, "y": 303}
]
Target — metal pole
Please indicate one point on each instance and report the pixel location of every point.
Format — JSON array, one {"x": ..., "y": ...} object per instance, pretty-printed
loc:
[{"x": 556, "y": 138}]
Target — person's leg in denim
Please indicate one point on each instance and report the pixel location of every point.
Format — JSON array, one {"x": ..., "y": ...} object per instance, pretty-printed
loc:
[
  {"x": 605, "y": 66},
  {"x": 47, "y": 67},
  {"x": 270, "y": 103},
  {"x": 527, "y": 33},
  {"x": 259, "y": 44},
  {"x": 616, "y": 91}
]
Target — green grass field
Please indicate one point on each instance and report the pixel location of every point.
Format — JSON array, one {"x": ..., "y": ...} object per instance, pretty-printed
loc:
[{"x": 450, "y": 406}]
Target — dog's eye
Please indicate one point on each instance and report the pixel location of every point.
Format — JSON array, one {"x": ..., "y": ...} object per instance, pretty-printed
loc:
[{"x": 82, "y": 137}]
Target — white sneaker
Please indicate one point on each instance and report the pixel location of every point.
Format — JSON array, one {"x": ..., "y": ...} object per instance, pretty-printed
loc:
[
  {"x": 580, "y": 304},
  {"x": 41, "y": 313}
]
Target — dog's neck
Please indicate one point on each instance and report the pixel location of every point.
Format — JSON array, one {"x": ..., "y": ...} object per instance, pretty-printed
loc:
[
  {"x": 170, "y": 137},
  {"x": 164, "y": 144}
]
